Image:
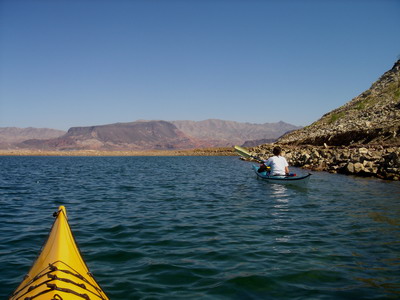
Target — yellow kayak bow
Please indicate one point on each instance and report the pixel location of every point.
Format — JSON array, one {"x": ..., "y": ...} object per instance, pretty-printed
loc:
[{"x": 60, "y": 271}]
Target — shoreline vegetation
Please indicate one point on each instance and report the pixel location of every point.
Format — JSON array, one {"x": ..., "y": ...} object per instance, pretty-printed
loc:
[{"x": 229, "y": 151}]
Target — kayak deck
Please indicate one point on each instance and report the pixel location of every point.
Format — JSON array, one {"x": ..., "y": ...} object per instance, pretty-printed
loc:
[
  {"x": 297, "y": 180},
  {"x": 59, "y": 272}
]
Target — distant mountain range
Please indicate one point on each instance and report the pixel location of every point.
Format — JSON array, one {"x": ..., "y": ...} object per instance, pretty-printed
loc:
[
  {"x": 228, "y": 133},
  {"x": 11, "y": 136},
  {"x": 144, "y": 135}
]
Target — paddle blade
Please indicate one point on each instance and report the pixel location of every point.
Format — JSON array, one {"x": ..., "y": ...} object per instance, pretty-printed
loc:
[{"x": 243, "y": 152}]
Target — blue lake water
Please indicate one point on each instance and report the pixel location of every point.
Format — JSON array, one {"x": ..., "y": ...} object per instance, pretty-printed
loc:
[{"x": 204, "y": 228}]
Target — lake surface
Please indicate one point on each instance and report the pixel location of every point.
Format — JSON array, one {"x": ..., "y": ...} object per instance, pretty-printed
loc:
[{"x": 204, "y": 228}]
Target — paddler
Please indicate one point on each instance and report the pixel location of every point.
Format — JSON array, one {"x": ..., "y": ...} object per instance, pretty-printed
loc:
[{"x": 278, "y": 164}]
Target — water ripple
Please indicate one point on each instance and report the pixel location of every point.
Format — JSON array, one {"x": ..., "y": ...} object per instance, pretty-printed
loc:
[{"x": 204, "y": 228}]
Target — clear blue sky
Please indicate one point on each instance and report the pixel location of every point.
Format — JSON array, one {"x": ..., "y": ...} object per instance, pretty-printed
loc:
[{"x": 67, "y": 63}]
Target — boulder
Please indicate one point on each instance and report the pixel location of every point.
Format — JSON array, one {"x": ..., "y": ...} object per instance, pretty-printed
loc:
[{"x": 358, "y": 167}]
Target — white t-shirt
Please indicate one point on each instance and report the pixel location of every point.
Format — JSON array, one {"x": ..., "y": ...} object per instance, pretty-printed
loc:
[{"x": 277, "y": 164}]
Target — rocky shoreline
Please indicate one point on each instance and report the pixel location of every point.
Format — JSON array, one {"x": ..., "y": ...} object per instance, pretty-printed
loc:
[
  {"x": 189, "y": 152},
  {"x": 364, "y": 160}
]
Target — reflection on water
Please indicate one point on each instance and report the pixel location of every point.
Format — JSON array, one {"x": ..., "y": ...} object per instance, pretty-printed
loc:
[
  {"x": 278, "y": 190},
  {"x": 379, "y": 217}
]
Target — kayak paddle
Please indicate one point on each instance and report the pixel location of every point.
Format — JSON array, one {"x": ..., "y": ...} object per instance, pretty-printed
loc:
[{"x": 243, "y": 152}]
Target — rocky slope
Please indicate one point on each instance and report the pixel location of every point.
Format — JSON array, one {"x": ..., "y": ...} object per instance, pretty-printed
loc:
[
  {"x": 360, "y": 138},
  {"x": 370, "y": 118}
]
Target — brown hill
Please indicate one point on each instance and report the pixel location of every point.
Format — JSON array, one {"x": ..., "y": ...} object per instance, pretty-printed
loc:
[
  {"x": 119, "y": 136},
  {"x": 370, "y": 118}
]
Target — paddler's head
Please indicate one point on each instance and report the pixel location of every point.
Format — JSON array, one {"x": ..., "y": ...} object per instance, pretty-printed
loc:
[{"x": 277, "y": 150}]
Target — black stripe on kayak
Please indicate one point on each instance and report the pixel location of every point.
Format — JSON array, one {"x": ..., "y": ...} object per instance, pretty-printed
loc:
[{"x": 285, "y": 178}]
